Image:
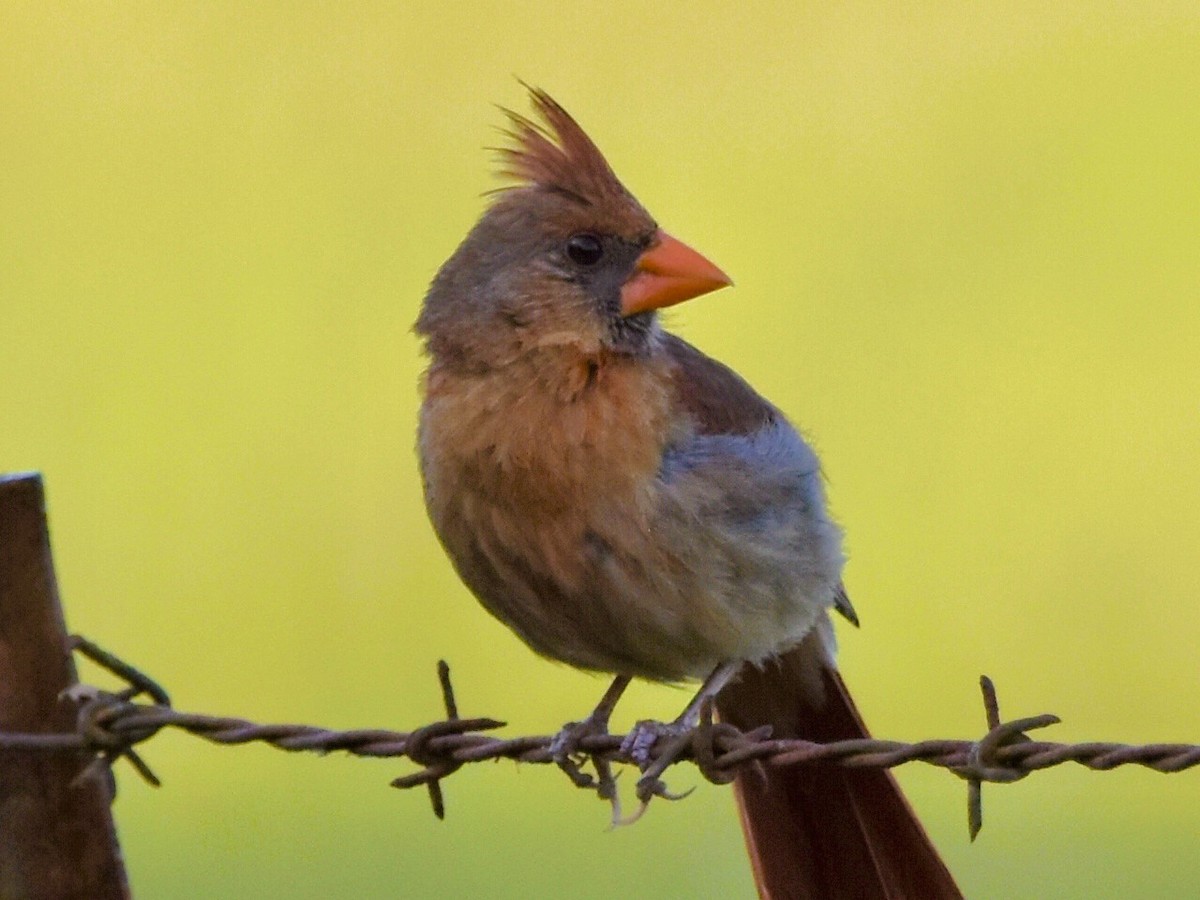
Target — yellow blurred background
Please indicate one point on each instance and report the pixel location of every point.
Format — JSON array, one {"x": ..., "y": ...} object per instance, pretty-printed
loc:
[{"x": 965, "y": 244}]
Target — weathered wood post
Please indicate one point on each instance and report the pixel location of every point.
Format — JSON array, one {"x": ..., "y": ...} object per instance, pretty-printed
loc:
[{"x": 56, "y": 841}]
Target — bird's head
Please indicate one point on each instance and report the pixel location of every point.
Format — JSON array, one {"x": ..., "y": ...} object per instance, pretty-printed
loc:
[{"x": 566, "y": 256}]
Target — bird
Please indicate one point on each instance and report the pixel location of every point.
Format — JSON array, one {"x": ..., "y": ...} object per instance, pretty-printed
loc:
[{"x": 628, "y": 505}]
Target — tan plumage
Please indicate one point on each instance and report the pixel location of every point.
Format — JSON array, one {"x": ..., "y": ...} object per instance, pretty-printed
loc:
[{"x": 626, "y": 504}]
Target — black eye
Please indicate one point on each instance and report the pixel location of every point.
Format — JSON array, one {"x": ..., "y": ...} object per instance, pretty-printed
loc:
[{"x": 584, "y": 249}]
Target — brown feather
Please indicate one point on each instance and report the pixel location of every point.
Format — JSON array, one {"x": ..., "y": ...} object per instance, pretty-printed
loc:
[
  {"x": 556, "y": 154},
  {"x": 718, "y": 400},
  {"x": 824, "y": 832}
]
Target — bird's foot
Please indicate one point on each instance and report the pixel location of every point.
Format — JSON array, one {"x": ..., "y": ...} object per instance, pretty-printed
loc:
[
  {"x": 567, "y": 751},
  {"x": 639, "y": 744},
  {"x": 671, "y": 739},
  {"x": 568, "y": 754}
]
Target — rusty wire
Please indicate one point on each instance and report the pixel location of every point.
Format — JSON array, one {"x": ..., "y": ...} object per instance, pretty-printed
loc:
[{"x": 109, "y": 725}]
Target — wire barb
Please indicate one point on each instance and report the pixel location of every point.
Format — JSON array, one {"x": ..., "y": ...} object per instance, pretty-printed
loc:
[
  {"x": 138, "y": 681},
  {"x": 422, "y": 749},
  {"x": 99, "y": 709},
  {"x": 984, "y": 762},
  {"x": 109, "y": 725}
]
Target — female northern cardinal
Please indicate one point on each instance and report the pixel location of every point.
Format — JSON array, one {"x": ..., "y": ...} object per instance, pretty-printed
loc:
[{"x": 626, "y": 504}]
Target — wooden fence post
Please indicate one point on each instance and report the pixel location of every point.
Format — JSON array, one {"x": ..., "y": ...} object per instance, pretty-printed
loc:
[{"x": 56, "y": 841}]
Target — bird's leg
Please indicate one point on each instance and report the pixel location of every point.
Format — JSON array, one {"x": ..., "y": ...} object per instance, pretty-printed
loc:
[
  {"x": 678, "y": 735},
  {"x": 713, "y": 685},
  {"x": 646, "y": 733},
  {"x": 565, "y": 746}
]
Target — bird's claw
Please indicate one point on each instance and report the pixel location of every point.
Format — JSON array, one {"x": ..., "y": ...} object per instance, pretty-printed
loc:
[
  {"x": 567, "y": 755},
  {"x": 648, "y": 788},
  {"x": 639, "y": 746},
  {"x": 606, "y": 788}
]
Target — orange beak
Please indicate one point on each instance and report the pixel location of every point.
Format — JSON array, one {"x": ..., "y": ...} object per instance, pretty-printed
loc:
[{"x": 669, "y": 272}]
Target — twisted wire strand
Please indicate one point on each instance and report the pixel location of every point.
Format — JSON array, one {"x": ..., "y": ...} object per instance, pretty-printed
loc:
[{"x": 109, "y": 726}]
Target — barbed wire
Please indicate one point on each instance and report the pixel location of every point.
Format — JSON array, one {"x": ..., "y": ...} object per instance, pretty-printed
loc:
[{"x": 110, "y": 724}]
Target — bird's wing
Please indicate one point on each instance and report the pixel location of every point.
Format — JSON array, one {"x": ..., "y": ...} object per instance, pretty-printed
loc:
[
  {"x": 717, "y": 398},
  {"x": 826, "y": 833}
]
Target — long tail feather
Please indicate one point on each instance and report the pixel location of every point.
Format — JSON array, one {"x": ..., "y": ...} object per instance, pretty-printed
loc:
[{"x": 825, "y": 832}]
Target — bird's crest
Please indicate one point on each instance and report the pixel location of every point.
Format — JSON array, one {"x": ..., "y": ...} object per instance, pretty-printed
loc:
[{"x": 557, "y": 155}]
